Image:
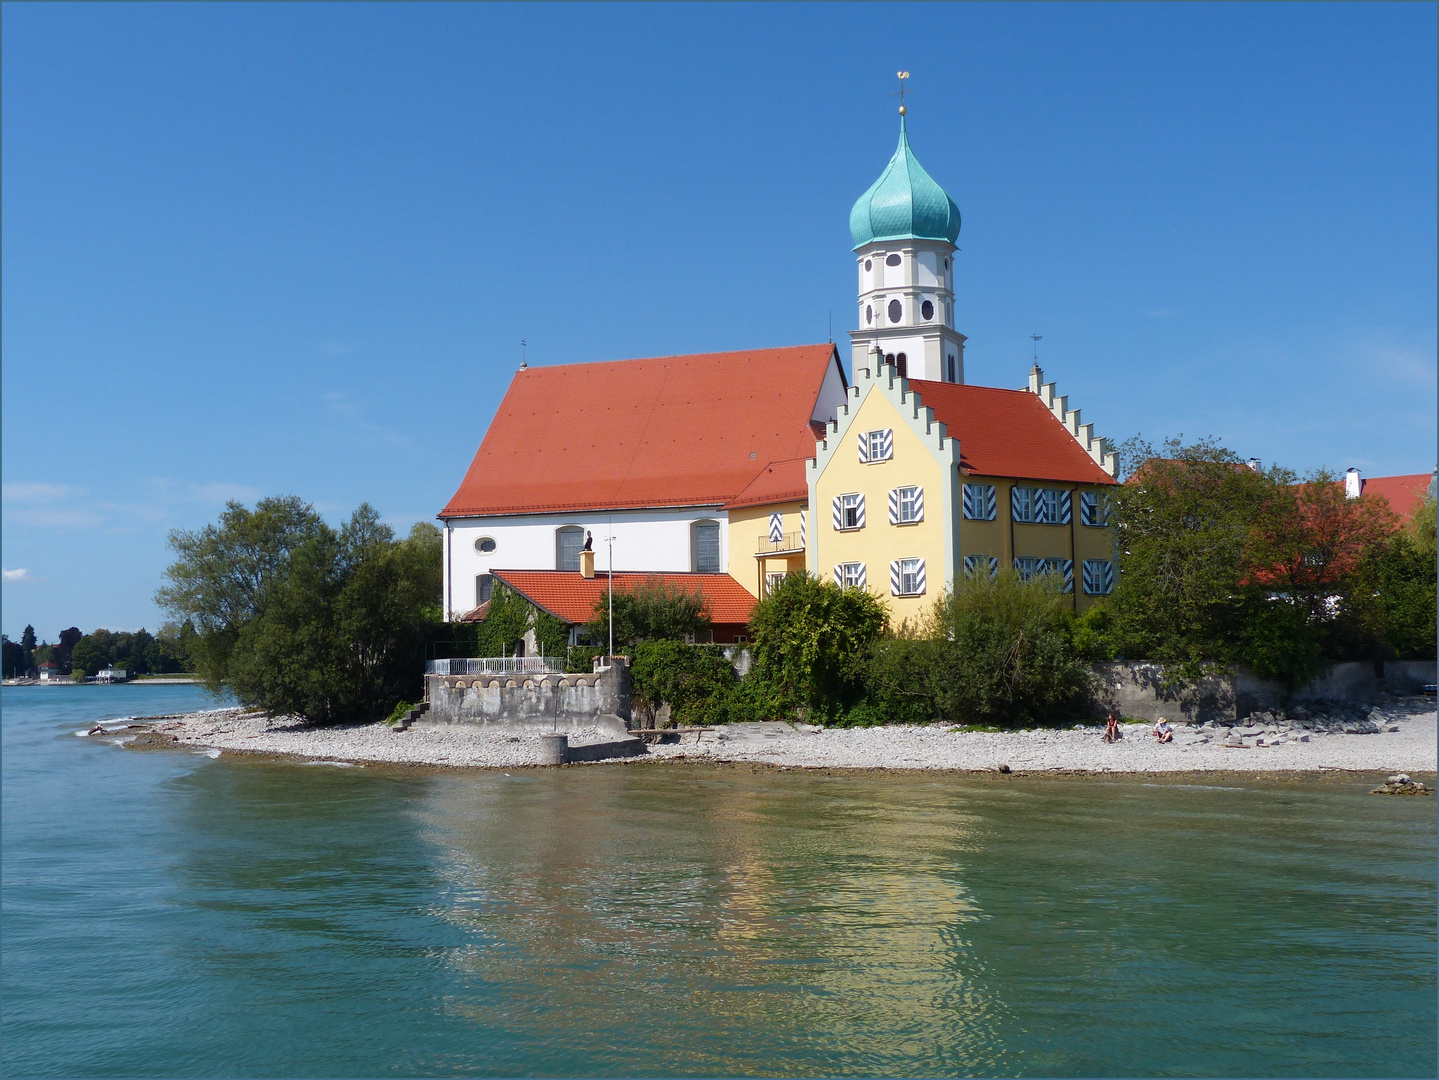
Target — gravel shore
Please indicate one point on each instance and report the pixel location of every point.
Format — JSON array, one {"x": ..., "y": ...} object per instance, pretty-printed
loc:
[{"x": 1405, "y": 740}]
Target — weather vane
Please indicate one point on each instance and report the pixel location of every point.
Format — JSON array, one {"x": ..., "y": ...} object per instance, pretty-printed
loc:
[
  {"x": 903, "y": 75},
  {"x": 1036, "y": 338}
]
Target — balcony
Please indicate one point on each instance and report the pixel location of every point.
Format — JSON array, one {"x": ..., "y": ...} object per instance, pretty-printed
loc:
[{"x": 788, "y": 544}]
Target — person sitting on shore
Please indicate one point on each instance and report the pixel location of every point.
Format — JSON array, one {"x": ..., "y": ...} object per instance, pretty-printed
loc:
[
  {"x": 1111, "y": 729},
  {"x": 1163, "y": 732}
]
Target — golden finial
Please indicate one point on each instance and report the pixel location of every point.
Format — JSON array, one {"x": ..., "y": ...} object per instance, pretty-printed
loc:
[{"x": 902, "y": 75}]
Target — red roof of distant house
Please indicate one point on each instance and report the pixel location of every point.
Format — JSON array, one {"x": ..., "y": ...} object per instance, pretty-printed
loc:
[
  {"x": 571, "y": 598},
  {"x": 1009, "y": 433},
  {"x": 669, "y": 431},
  {"x": 1405, "y": 493}
]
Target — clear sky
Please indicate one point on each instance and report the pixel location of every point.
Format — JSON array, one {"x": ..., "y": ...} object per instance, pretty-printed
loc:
[{"x": 266, "y": 249}]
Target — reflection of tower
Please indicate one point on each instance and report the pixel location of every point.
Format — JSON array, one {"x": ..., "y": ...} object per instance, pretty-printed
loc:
[{"x": 904, "y": 228}]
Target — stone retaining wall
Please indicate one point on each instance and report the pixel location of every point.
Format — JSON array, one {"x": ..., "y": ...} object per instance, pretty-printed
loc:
[
  {"x": 1133, "y": 690},
  {"x": 552, "y": 703}
]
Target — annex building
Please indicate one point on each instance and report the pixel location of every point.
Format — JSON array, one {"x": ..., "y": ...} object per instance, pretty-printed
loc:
[{"x": 723, "y": 471}]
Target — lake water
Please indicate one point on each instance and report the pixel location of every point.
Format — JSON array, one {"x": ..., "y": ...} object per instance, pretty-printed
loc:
[{"x": 166, "y": 914}]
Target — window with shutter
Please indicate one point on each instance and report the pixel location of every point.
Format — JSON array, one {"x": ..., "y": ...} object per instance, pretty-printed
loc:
[
  {"x": 848, "y": 512},
  {"x": 1098, "y": 577},
  {"x": 850, "y": 575},
  {"x": 776, "y": 528},
  {"x": 875, "y": 446},
  {"x": 1021, "y": 503},
  {"x": 981, "y": 564},
  {"x": 979, "y": 502},
  {"x": 1093, "y": 509}
]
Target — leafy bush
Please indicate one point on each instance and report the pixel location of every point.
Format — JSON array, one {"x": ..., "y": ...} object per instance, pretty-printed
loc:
[
  {"x": 1000, "y": 653},
  {"x": 810, "y": 638},
  {"x": 697, "y": 683},
  {"x": 898, "y": 686}
]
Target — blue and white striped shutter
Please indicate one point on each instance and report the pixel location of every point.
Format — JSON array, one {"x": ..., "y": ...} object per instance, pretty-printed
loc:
[
  {"x": 838, "y": 513},
  {"x": 1107, "y": 576},
  {"x": 839, "y": 574},
  {"x": 1019, "y": 503},
  {"x": 859, "y": 513},
  {"x": 919, "y": 582},
  {"x": 1046, "y": 509},
  {"x": 862, "y": 582},
  {"x": 894, "y": 506},
  {"x": 1088, "y": 504},
  {"x": 970, "y": 495},
  {"x": 802, "y": 515},
  {"x": 864, "y": 448},
  {"x": 994, "y": 565},
  {"x": 1098, "y": 577},
  {"x": 1068, "y": 570},
  {"x": 894, "y": 578},
  {"x": 919, "y": 504},
  {"x": 991, "y": 503},
  {"x": 1066, "y": 508},
  {"x": 886, "y": 444},
  {"x": 776, "y": 528}
]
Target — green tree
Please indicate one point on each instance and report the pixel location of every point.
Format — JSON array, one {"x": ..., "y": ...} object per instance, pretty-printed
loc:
[
  {"x": 94, "y": 651},
  {"x": 1404, "y": 583},
  {"x": 654, "y": 611},
  {"x": 1000, "y": 653},
  {"x": 27, "y": 643},
  {"x": 297, "y": 617},
  {"x": 697, "y": 682},
  {"x": 14, "y": 661},
  {"x": 810, "y": 639}
]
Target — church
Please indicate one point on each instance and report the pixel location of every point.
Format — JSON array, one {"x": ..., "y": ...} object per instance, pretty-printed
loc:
[{"x": 722, "y": 472}]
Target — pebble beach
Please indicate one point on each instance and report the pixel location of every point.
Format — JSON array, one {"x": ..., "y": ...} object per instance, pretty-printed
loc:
[{"x": 1401, "y": 735}]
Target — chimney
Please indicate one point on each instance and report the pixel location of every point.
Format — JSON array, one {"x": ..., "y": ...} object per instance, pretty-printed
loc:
[
  {"x": 1353, "y": 484},
  {"x": 587, "y": 565},
  {"x": 1036, "y": 379},
  {"x": 1254, "y": 463}
]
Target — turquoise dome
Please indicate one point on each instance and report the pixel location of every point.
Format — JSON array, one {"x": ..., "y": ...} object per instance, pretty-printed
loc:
[{"x": 904, "y": 203}]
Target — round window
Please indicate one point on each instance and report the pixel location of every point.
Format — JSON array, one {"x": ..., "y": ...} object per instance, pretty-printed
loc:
[
  {"x": 896, "y": 309},
  {"x": 927, "y": 310},
  {"x": 892, "y": 260},
  {"x": 484, "y": 545},
  {"x": 869, "y": 264},
  {"x": 868, "y": 314}
]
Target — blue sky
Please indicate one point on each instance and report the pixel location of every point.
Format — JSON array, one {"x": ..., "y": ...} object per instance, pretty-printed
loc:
[{"x": 265, "y": 249}]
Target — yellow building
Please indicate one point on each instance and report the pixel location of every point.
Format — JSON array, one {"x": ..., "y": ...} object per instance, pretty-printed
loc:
[{"x": 917, "y": 482}]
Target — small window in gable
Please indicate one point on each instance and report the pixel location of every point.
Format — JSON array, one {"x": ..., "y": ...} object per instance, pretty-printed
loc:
[{"x": 876, "y": 446}]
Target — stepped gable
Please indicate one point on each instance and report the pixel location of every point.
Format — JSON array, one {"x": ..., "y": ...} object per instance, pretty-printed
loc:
[
  {"x": 571, "y": 598},
  {"x": 668, "y": 431},
  {"x": 1008, "y": 433}
]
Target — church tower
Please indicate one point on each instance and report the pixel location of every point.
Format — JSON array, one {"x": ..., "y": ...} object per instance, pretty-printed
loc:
[{"x": 904, "y": 228}]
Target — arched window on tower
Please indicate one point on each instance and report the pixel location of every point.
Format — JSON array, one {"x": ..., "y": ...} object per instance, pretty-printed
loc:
[{"x": 900, "y": 365}]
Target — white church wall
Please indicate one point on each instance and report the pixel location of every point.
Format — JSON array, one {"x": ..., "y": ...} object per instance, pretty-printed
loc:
[{"x": 657, "y": 539}]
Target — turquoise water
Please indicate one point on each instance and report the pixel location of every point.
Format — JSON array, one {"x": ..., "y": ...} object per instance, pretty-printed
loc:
[{"x": 166, "y": 914}]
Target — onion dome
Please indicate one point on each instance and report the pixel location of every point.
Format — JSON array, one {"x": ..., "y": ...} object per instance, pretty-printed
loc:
[{"x": 904, "y": 203}]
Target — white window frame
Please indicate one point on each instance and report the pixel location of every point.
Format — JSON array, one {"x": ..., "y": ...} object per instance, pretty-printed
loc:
[
  {"x": 909, "y": 571},
  {"x": 851, "y": 501},
  {"x": 911, "y": 499},
  {"x": 852, "y": 575}
]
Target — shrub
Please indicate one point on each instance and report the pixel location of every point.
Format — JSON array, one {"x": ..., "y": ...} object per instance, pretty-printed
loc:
[
  {"x": 655, "y": 611},
  {"x": 810, "y": 638},
  {"x": 898, "y": 683},
  {"x": 1001, "y": 654},
  {"x": 697, "y": 683}
]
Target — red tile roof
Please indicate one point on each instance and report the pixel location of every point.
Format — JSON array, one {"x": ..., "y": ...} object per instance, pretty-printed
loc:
[
  {"x": 1008, "y": 433},
  {"x": 571, "y": 598},
  {"x": 780, "y": 481},
  {"x": 1405, "y": 493},
  {"x": 668, "y": 431}
]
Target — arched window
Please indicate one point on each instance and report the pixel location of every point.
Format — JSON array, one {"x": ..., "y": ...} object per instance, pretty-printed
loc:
[
  {"x": 568, "y": 542},
  {"x": 889, "y": 358},
  {"x": 900, "y": 365},
  {"x": 484, "y": 588},
  {"x": 927, "y": 310},
  {"x": 868, "y": 314},
  {"x": 705, "y": 545},
  {"x": 896, "y": 310},
  {"x": 951, "y": 367}
]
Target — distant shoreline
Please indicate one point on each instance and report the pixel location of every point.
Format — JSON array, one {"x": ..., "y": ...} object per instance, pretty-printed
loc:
[{"x": 144, "y": 680}]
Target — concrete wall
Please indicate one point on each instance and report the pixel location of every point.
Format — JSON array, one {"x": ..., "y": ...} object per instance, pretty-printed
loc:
[
  {"x": 551, "y": 703},
  {"x": 1133, "y": 689}
]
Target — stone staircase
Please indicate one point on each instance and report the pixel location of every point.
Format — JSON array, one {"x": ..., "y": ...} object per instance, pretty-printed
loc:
[{"x": 413, "y": 715}]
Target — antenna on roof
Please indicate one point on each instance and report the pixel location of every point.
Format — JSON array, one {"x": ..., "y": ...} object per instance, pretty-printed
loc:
[
  {"x": 831, "y": 326},
  {"x": 1036, "y": 338},
  {"x": 523, "y": 365},
  {"x": 903, "y": 75}
]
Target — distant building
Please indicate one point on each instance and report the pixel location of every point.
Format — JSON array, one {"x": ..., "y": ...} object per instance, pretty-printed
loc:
[
  {"x": 49, "y": 671},
  {"x": 111, "y": 675},
  {"x": 726, "y": 471},
  {"x": 1405, "y": 494}
]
